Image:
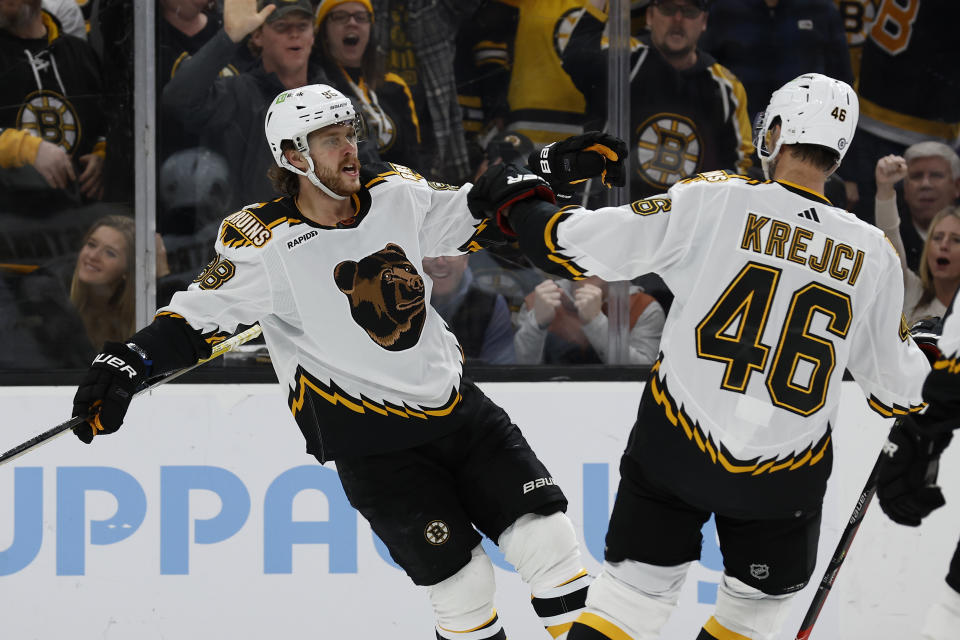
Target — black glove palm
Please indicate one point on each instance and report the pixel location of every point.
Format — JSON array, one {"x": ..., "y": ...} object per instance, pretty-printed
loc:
[
  {"x": 106, "y": 390},
  {"x": 906, "y": 486},
  {"x": 501, "y": 186},
  {"x": 589, "y": 155}
]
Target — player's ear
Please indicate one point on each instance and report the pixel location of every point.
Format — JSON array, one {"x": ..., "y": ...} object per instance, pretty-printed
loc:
[{"x": 296, "y": 158}]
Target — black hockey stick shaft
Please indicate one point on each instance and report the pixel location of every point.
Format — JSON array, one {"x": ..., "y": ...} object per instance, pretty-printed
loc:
[
  {"x": 67, "y": 425},
  {"x": 840, "y": 554}
]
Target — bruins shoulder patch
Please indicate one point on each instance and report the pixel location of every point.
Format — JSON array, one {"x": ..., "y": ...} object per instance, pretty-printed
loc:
[{"x": 252, "y": 226}]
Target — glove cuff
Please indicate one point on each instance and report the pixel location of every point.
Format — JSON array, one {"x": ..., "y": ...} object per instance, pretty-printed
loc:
[
  {"x": 117, "y": 355},
  {"x": 541, "y": 193}
]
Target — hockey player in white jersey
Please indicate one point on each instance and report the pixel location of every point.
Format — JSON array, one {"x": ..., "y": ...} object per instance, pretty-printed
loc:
[
  {"x": 906, "y": 485},
  {"x": 776, "y": 293},
  {"x": 332, "y": 272}
]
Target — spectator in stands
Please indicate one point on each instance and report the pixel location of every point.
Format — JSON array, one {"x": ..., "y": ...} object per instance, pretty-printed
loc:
[
  {"x": 51, "y": 125},
  {"x": 929, "y": 289},
  {"x": 195, "y": 192},
  {"x": 688, "y": 113},
  {"x": 185, "y": 26},
  {"x": 353, "y": 65},
  {"x": 911, "y": 45},
  {"x": 931, "y": 182},
  {"x": 479, "y": 318},
  {"x": 771, "y": 42},
  {"x": 232, "y": 108},
  {"x": 518, "y": 78},
  {"x": 68, "y": 13},
  {"x": 565, "y": 322},
  {"x": 102, "y": 285},
  {"x": 417, "y": 38}
]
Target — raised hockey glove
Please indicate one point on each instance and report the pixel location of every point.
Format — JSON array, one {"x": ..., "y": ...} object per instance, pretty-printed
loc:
[
  {"x": 579, "y": 158},
  {"x": 926, "y": 333},
  {"x": 106, "y": 390},
  {"x": 906, "y": 485},
  {"x": 501, "y": 186}
]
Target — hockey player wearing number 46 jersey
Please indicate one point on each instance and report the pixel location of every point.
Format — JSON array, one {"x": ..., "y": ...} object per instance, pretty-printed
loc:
[
  {"x": 332, "y": 273},
  {"x": 776, "y": 293}
]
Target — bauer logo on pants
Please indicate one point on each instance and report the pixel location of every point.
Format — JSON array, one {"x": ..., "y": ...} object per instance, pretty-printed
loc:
[{"x": 437, "y": 532}]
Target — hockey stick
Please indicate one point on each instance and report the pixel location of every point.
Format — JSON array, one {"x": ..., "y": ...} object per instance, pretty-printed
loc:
[
  {"x": 63, "y": 427},
  {"x": 840, "y": 554}
]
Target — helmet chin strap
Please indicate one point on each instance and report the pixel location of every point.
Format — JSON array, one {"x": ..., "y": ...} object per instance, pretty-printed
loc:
[
  {"x": 767, "y": 161},
  {"x": 311, "y": 175}
]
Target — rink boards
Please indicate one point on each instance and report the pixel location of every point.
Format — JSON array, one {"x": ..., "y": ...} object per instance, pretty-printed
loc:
[{"x": 204, "y": 518}]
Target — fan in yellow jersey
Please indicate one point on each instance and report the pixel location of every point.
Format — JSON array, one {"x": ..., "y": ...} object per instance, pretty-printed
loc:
[
  {"x": 333, "y": 274},
  {"x": 776, "y": 293}
]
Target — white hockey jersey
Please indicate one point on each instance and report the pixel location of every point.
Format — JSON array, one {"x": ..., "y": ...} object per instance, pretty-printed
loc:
[
  {"x": 368, "y": 364},
  {"x": 776, "y": 293}
]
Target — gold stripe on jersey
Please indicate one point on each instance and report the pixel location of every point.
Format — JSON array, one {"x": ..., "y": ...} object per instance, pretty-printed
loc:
[
  {"x": 553, "y": 255},
  {"x": 888, "y": 411},
  {"x": 333, "y": 394},
  {"x": 718, "y": 452}
]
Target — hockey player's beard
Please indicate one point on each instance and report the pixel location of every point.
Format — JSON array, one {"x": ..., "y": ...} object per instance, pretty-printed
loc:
[
  {"x": 24, "y": 15},
  {"x": 334, "y": 180}
]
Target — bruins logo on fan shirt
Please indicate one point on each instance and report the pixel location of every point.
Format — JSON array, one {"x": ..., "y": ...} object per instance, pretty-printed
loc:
[
  {"x": 668, "y": 148},
  {"x": 50, "y": 117},
  {"x": 386, "y": 297}
]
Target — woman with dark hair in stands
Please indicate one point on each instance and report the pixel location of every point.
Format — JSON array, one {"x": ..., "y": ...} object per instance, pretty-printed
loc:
[{"x": 353, "y": 66}]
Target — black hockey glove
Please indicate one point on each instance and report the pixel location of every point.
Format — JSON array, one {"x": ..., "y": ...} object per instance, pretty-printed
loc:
[
  {"x": 926, "y": 333},
  {"x": 501, "y": 186},
  {"x": 592, "y": 154},
  {"x": 906, "y": 486},
  {"x": 106, "y": 390}
]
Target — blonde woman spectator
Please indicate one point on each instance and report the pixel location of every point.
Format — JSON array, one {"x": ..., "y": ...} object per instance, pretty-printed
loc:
[
  {"x": 102, "y": 286},
  {"x": 928, "y": 291}
]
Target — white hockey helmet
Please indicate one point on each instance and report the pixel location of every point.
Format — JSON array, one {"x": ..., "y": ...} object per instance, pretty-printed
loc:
[
  {"x": 295, "y": 114},
  {"x": 812, "y": 109}
]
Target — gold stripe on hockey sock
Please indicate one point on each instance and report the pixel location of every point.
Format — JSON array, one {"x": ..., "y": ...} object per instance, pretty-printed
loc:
[
  {"x": 559, "y": 606},
  {"x": 603, "y": 626},
  {"x": 492, "y": 629},
  {"x": 720, "y": 632}
]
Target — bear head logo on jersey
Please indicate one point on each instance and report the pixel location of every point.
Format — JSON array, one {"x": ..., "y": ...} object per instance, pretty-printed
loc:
[{"x": 386, "y": 297}]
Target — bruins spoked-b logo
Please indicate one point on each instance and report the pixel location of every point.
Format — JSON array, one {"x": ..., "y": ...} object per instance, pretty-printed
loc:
[
  {"x": 437, "y": 532},
  {"x": 49, "y": 116},
  {"x": 386, "y": 297},
  {"x": 668, "y": 148}
]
